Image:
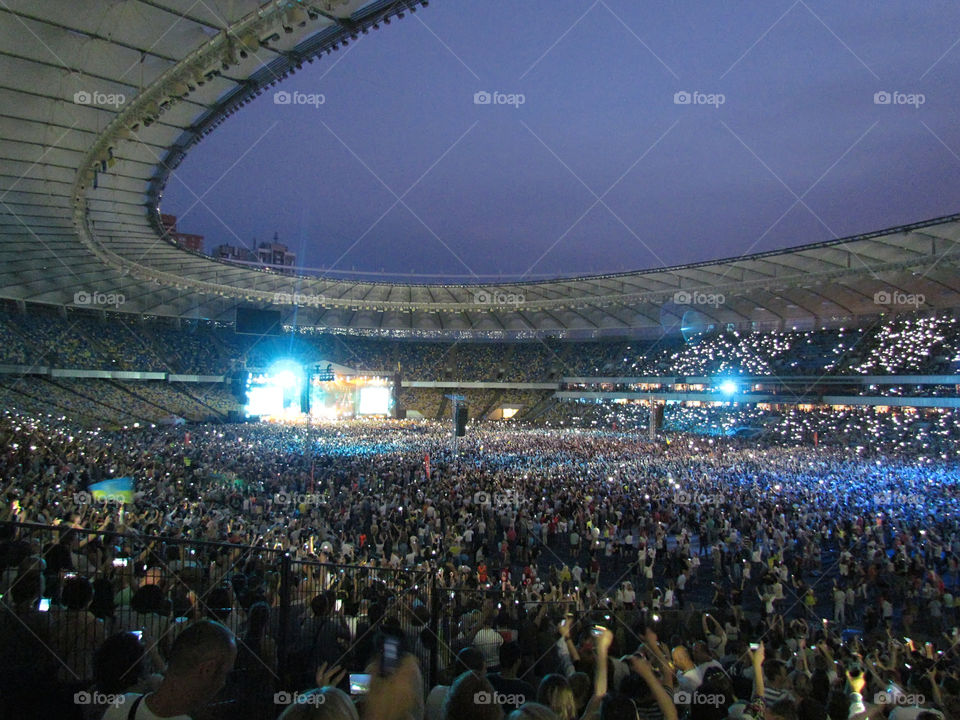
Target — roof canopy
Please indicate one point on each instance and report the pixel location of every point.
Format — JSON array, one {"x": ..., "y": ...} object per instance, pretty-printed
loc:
[{"x": 101, "y": 100}]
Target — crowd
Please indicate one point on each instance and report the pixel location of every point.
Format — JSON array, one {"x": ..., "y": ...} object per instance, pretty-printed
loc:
[
  {"x": 543, "y": 572},
  {"x": 84, "y": 339},
  {"x": 926, "y": 433},
  {"x": 104, "y": 403}
]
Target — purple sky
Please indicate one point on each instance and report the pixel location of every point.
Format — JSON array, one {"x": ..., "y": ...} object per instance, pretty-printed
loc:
[{"x": 499, "y": 189}]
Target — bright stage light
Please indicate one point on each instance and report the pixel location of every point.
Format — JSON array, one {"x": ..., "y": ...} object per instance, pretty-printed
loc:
[
  {"x": 276, "y": 393},
  {"x": 286, "y": 379},
  {"x": 728, "y": 387},
  {"x": 374, "y": 401}
]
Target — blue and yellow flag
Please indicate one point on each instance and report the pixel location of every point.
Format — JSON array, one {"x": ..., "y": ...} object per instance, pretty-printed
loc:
[{"x": 116, "y": 489}]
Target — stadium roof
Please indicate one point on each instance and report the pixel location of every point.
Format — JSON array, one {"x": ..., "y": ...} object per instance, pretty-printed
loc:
[{"x": 101, "y": 100}]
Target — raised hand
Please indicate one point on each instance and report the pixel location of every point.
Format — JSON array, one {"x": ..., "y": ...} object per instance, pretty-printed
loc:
[
  {"x": 331, "y": 676},
  {"x": 604, "y": 640},
  {"x": 857, "y": 682}
]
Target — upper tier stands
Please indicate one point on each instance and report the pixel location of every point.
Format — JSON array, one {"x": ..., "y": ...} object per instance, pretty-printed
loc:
[{"x": 79, "y": 339}]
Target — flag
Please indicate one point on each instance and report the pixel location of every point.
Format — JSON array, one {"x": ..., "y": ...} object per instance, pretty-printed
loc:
[
  {"x": 426, "y": 464},
  {"x": 119, "y": 489}
]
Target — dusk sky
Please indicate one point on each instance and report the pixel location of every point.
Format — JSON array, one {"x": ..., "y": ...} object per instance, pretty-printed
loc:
[{"x": 603, "y": 167}]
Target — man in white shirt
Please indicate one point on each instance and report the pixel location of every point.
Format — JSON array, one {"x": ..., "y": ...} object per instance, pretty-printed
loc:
[{"x": 488, "y": 641}]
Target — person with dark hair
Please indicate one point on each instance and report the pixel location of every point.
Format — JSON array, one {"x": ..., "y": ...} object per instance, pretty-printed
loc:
[
  {"x": 119, "y": 667},
  {"x": 102, "y": 605},
  {"x": 326, "y": 635},
  {"x": 220, "y": 606},
  {"x": 253, "y": 681},
  {"x": 555, "y": 692},
  {"x": 200, "y": 659},
  {"x": 809, "y": 708},
  {"x": 470, "y": 659},
  {"x": 75, "y": 632},
  {"x": 471, "y": 697},
  {"x": 778, "y": 683},
  {"x": 582, "y": 687},
  {"x": 506, "y": 682},
  {"x": 28, "y": 668},
  {"x": 618, "y": 707},
  {"x": 148, "y": 614}
]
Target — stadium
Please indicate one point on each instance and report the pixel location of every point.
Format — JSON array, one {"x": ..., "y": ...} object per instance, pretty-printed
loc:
[{"x": 238, "y": 486}]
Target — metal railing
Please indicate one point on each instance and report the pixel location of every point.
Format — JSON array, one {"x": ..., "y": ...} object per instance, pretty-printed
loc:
[{"x": 94, "y": 583}]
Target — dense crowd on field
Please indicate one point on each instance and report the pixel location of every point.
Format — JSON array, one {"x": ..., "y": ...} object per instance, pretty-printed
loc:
[{"x": 547, "y": 573}]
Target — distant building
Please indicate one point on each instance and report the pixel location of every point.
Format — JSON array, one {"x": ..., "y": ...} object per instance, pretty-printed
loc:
[
  {"x": 234, "y": 253},
  {"x": 276, "y": 255},
  {"x": 271, "y": 255},
  {"x": 184, "y": 240}
]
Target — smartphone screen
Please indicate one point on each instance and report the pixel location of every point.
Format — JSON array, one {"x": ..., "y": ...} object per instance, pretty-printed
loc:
[
  {"x": 359, "y": 683},
  {"x": 138, "y": 633},
  {"x": 338, "y": 605},
  {"x": 390, "y": 658},
  {"x": 44, "y": 605},
  {"x": 120, "y": 562}
]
